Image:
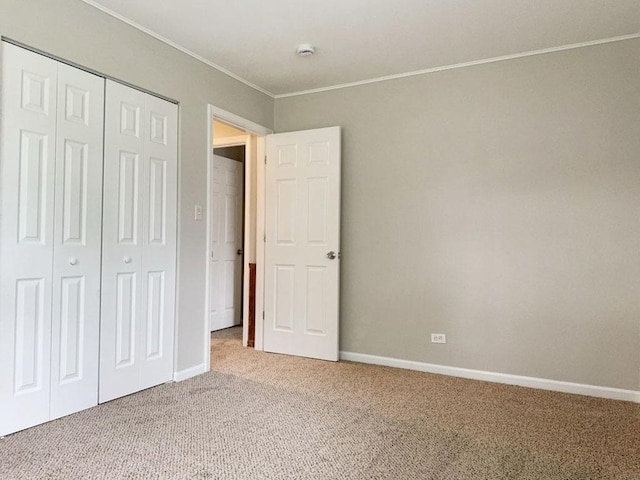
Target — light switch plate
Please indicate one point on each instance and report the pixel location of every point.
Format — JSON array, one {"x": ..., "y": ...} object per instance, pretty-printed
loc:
[{"x": 198, "y": 213}]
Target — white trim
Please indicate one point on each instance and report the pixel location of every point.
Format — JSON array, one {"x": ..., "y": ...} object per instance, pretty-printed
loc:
[
  {"x": 207, "y": 283},
  {"x": 240, "y": 140},
  {"x": 243, "y": 141},
  {"x": 359, "y": 82},
  {"x": 176, "y": 46},
  {"x": 460, "y": 65},
  {"x": 508, "y": 379},
  {"x": 190, "y": 372},
  {"x": 260, "y": 233},
  {"x": 246, "y": 274},
  {"x": 176, "y": 306},
  {"x": 216, "y": 113},
  {"x": 238, "y": 121}
]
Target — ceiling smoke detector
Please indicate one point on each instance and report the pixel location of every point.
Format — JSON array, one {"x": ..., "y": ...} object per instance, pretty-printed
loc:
[{"x": 305, "y": 50}]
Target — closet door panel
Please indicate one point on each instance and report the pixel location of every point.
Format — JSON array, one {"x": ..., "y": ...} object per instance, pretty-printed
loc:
[
  {"x": 27, "y": 167},
  {"x": 159, "y": 241},
  {"x": 122, "y": 284},
  {"x": 77, "y": 242}
]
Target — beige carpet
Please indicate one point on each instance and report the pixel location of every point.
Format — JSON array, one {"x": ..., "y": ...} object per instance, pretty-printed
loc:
[{"x": 264, "y": 416}]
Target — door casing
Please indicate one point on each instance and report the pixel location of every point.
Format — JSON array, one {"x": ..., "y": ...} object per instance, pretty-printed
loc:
[{"x": 216, "y": 113}]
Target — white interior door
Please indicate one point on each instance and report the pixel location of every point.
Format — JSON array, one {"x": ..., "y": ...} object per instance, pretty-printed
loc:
[
  {"x": 122, "y": 242},
  {"x": 159, "y": 241},
  {"x": 302, "y": 224},
  {"x": 28, "y": 141},
  {"x": 139, "y": 242},
  {"x": 77, "y": 242},
  {"x": 226, "y": 243}
]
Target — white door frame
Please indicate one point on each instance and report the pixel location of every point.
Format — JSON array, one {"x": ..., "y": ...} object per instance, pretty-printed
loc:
[
  {"x": 216, "y": 113},
  {"x": 242, "y": 141}
]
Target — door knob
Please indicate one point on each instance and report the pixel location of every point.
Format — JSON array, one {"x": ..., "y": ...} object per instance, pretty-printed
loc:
[
  {"x": 73, "y": 261},
  {"x": 331, "y": 255},
  {"x": 127, "y": 259},
  {"x": 239, "y": 252}
]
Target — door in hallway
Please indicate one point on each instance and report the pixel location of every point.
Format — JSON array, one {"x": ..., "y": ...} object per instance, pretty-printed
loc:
[{"x": 226, "y": 243}]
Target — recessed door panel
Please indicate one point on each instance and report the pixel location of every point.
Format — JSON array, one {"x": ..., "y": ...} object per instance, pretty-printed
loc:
[
  {"x": 72, "y": 324},
  {"x": 284, "y": 293},
  {"x": 36, "y": 92},
  {"x": 77, "y": 104},
  {"x": 128, "y": 198},
  {"x": 317, "y": 191},
  {"x": 229, "y": 284},
  {"x": 157, "y": 200},
  {"x": 287, "y": 155},
  {"x": 74, "y": 220},
  {"x": 33, "y": 184},
  {"x": 319, "y": 153},
  {"x": 126, "y": 310},
  {"x": 316, "y": 286},
  {"x": 158, "y": 129},
  {"x": 230, "y": 216},
  {"x": 130, "y": 119},
  {"x": 155, "y": 314},
  {"x": 29, "y": 327},
  {"x": 286, "y": 203}
]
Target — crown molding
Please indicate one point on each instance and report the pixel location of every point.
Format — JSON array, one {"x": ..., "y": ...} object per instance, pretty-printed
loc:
[
  {"x": 460, "y": 65},
  {"x": 358, "y": 82},
  {"x": 176, "y": 46}
]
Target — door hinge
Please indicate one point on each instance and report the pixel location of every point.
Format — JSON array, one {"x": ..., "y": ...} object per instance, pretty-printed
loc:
[
  {"x": 263, "y": 314},
  {"x": 265, "y": 159},
  {"x": 264, "y": 239}
]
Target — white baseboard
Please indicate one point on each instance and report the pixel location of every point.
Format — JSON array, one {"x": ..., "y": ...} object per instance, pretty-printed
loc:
[
  {"x": 190, "y": 372},
  {"x": 541, "y": 383}
]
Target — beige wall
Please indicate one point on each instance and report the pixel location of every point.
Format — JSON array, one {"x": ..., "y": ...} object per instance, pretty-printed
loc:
[
  {"x": 80, "y": 33},
  {"x": 499, "y": 204},
  {"x": 222, "y": 130}
]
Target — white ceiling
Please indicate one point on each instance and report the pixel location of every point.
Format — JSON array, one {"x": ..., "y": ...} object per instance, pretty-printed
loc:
[{"x": 357, "y": 40}]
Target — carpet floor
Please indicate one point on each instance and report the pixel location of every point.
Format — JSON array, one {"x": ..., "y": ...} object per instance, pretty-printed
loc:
[{"x": 266, "y": 416}]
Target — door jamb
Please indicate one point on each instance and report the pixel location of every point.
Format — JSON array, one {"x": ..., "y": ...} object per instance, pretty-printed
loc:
[
  {"x": 216, "y": 113},
  {"x": 246, "y": 142}
]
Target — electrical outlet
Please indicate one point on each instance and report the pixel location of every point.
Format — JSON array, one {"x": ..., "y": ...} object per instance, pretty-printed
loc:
[{"x": 438, "y": 338}]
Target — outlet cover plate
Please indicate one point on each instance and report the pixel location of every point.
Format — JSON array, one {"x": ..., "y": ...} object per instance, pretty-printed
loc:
[{"x": 438, "y": 338}]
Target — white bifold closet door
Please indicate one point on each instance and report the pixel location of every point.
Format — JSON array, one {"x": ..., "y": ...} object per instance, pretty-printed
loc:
[
  {"x": 139, "y": 242},
  {"x": 50, "y": 217}
]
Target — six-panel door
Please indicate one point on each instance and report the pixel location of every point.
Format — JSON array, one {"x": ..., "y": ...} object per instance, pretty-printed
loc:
[
  {"x": 226, "y": 240},
  {"x": 76, "y": 242},
  {"x": 302, "y": 221},
  {"x": 139, "y": 242},
  {"x": 50, "y": 238}
]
